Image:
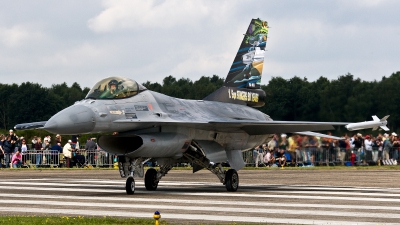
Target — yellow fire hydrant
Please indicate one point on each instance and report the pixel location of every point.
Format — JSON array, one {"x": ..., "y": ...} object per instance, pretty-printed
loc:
[{"x": 157, "y": 216}]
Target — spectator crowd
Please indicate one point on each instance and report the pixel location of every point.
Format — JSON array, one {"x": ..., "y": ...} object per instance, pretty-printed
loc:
[
  {"x": 295, "y": 150},
  {"x": 16, "y": 151},
  {"x": 298, "y": 150}
]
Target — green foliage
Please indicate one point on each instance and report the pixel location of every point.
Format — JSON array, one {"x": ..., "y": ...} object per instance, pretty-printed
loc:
[
  {"x": 342, "y": 100},
  {"x": 185, "y": 88},
  {"x": 30, "y": 102}
]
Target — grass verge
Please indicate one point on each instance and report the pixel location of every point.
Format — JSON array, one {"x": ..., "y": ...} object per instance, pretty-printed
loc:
[
  {"x": 71, "y": 220},
  {"x": 75, "y": 220}
]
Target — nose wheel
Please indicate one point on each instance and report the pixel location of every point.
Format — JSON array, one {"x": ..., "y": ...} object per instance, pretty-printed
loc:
[
  {"x": 130, "y": 186},
  {"x": 231, "y": 180}
]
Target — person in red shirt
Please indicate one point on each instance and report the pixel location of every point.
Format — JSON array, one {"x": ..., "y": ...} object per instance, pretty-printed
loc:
[{"x": 16, "y": 160}]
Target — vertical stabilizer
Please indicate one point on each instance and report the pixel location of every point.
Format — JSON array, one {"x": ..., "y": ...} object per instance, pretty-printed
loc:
[
  {"x": 243, "y": 83},
  {"x": 246, "y": 69}
]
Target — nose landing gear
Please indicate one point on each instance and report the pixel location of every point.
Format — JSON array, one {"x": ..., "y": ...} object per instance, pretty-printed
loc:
[
  {"x": 130, "y": 185},
  {"x": 231, "y": 180}
]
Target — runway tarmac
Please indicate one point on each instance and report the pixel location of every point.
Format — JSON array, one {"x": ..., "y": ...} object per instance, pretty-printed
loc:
[{"x": 273, "y": 196}]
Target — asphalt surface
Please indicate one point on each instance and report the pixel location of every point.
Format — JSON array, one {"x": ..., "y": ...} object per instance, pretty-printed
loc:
[{"x": 274, "y": 196}]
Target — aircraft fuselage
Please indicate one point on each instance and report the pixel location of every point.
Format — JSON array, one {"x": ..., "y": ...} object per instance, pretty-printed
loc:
[{"x": 139, "y": 115}]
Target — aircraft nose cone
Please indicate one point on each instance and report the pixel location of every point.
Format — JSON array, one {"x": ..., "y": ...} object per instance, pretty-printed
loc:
[{"x": 76, "y": 119}]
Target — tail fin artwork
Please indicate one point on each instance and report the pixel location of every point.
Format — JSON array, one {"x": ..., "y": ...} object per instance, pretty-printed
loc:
[
  {"x": 242, "y": 85},
  {"x": 246, "y": 69}
]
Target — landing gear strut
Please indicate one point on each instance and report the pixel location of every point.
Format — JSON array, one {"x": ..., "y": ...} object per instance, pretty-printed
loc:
[
  {"x": 130, "y": 169},
  {"x": 153, "y": 176},
  {"x": 134, "y": 168},
  {"x": 229, "y": 178}
]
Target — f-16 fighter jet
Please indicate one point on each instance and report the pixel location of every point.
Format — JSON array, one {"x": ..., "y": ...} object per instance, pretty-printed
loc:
[{"x": 145, "y": 125}]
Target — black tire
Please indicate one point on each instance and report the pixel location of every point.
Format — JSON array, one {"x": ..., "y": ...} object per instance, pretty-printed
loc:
[
  {"x": 150, "y": 180},
  {"x": 231, "y": 180},
  {"x": 130, "y": 186}
]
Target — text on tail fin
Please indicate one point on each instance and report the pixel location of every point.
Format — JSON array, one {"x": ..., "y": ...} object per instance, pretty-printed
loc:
[{"x": 246, "y": 69}]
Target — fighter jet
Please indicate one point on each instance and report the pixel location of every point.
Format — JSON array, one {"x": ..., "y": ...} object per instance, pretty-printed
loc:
[{"x": 140, "y": 125}]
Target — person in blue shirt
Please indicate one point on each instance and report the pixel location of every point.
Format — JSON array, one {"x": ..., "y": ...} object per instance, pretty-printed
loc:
[
  {"x": 7, "y": 147},
  {"x": 57, "y": 147}
]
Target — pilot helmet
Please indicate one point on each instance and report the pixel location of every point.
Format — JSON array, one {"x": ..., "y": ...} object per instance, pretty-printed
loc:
[{"x": 115, "y": 82}]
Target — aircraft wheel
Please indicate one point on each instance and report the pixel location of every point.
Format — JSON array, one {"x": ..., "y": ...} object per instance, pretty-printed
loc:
[
  {"x": 130, "y": 186},
  {"x": 150, "y": 179},
  {"x": 231, "y": 180}
]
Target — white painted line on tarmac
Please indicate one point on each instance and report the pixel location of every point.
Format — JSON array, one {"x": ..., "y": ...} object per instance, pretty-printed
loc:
[
  {"x": 183, "y": 183},
  {"x": 211, "y": 209},
  {"x": 200, "y": 217},
  {"x": 199, "y": 202},
  {"x": 330, "y": 188},
  {"x": 367, "y": 194},
  {"x": 161, "y": 184},
  {"x": 282, "y": 196},
  {"x": 63, "y": 184},
  {"x": 225, "y": 194},
  {"x": 63, "y": 189}
]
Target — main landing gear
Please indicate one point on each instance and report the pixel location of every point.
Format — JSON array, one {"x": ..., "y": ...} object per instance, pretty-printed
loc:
[
  {"x": 150, "y": 179},
  {"x": 153, "y": 176},
  {"x": 131, "y": 169},
  {"x": 229, "y": 178},
  {"x": 134, "y": 169}
]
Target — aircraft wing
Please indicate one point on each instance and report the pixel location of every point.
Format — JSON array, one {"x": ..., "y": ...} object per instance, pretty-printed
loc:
[
  {"x": 272, "y": 127},
  {"x": 251, "y": 127},
  {"x": 28, "y": 126}
]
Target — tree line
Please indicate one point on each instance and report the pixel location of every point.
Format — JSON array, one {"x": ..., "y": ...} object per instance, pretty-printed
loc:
[
  {"x": 344, "y": 99},
  {"x": 30, "y": 102}
]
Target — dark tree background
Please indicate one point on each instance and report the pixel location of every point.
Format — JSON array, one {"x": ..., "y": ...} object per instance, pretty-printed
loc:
[{"x": 345, "y": 99}]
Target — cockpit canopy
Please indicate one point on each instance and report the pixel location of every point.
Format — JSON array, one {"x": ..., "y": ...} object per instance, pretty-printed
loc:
[{"x": 115, "y": 88}]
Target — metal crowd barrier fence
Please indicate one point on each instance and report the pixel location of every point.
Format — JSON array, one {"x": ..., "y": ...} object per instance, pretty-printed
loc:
[
  {"x": 333, "y": 156},
  {"x": 303, "y": 157},
  {"x": 98, "y": 158},
  {"x": 52, "y": 158},
  {"x": 36, "y": 158}
]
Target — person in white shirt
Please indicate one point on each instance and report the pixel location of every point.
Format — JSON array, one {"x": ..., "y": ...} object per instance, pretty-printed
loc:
[
  {"x": 368, "y": 148},
  {"x": 67, "y": 151},
  {"x": 269, "y": 158}
]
